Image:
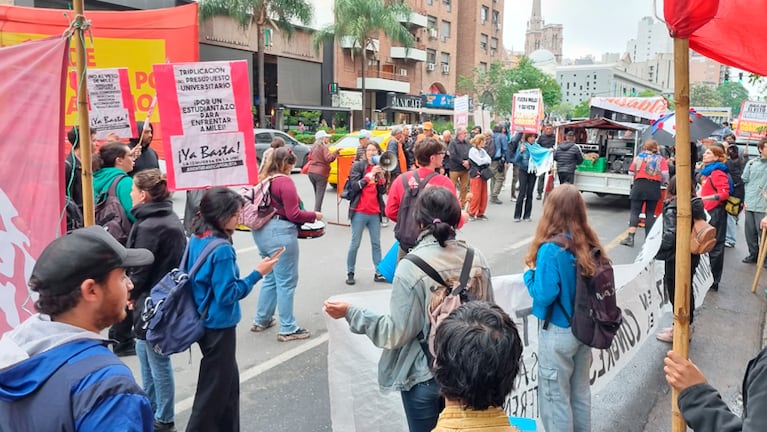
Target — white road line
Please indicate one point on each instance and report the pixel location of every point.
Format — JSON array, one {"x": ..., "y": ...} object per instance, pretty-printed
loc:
[
  {"x": 520, "y": 243},
  {"x": 258, "y": 369},
  {"x": 247, "y": 249}
]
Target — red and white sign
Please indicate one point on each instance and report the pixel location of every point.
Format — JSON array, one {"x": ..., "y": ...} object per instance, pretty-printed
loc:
[
  {"x": 461, "y": 111},
  {"x": 208, "y": 124},
  {"x": 645, "y": 107},
  {"x": 752, "y": 121},
  {"x": 527, "y": 111},
  {"x": 111, "y": 103},
  {"x": 32, "y": 85}
]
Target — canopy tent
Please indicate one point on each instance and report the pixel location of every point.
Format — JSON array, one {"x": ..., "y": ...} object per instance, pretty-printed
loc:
[{"x": 728, "y": 31}]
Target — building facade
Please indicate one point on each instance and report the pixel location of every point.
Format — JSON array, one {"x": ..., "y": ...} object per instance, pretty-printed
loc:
[
  {"x": 580, "y": 82},
  {"x": 540, "y": 35},
  {"x": 652, "y": 38}
]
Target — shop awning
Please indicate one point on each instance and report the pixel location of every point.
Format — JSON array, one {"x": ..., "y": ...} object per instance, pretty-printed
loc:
[
  {"x": 431, "y": 111},
  {"x": 314, "y": 108}
]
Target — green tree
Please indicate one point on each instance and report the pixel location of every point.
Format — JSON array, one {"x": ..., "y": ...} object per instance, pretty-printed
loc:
[
  {"x": 582, "y": 109},
  {"x": 732, "y": 94},
  {"x": 487, "y": 82},
  {"x": 527, "y": 76},
  {"x": 360, "y": 22},
  {"x": 261, "y": 14},
  {"x": 647, "y": 93},
  {"x": 563, "y": 110},
  {"x": 704, "y": 95}
]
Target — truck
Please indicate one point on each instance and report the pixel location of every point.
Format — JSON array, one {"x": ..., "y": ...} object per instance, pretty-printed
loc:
[{"x": 608, "y": 148}]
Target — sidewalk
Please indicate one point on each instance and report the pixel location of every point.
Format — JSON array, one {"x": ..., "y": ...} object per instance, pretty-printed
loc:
[{"x": 729, "y": 331}]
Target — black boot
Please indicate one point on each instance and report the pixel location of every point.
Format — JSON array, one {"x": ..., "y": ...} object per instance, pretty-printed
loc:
[{"x": 628, "y": 241}]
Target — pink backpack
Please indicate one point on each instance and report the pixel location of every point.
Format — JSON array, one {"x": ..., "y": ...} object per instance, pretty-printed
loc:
[{"x": 258, "y": 208}]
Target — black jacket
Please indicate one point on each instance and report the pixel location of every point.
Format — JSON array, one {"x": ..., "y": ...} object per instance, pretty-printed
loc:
[
  {"x": 547, "y": 141},
  {"x": 458, "y": 152},
  {"x": 736, "y": 174},
  {"x": 147, "y": 160},
  {"x": 667, "y": 249},
  {"x": 357, "y": 182},
  {"x": 704, "y": 410},
  {"x": 567, "y": 156},
  {"x": 158, "y": 229}
]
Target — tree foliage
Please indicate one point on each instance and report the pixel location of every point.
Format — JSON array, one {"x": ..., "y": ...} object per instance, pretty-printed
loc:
[
  {"x": 262, "y": 14},
  {"x": 582, "y": 109},
  {"x": 360, "y": 22},
  {"x": 732, "y": 94},
  {"x": 647, "y": 93},
  {"x": 704, "y": 95}
]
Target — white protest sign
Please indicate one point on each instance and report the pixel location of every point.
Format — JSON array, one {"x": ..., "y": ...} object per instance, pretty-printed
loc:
[{"x": 111, "y": 103}]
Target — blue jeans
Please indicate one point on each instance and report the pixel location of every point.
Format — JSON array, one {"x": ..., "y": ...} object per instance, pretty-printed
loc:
[
  {"x": 279, "y": 286},
  {"x": 359, "y": 222},
  {"x": 564, "y": 393},
  {"x": 732, "y": 229},
  {"x": 422, "y": 406},
  {"x": 157, "y": 380}
]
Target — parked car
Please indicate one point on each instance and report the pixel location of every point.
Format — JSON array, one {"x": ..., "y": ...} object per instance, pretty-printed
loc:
[
  {"x": 349, "y": 145},
  {"x": 264, "y": 140}
]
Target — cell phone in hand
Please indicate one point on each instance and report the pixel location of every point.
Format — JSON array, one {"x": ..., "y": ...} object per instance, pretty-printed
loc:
[{"x": 278, "y": 253}]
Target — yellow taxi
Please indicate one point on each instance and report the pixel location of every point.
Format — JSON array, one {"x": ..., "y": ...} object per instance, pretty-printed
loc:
[{"x": 349, "y": 145}]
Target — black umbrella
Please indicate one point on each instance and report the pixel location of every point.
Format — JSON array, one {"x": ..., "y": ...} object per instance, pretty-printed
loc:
[{"x": 663, "y": 130}]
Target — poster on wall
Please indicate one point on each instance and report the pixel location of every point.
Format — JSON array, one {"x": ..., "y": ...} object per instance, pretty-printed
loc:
[
  {"x": 526, "y": 111},
  {"x": 111, "y": 108},
  {"x": 207, "y": 124}
]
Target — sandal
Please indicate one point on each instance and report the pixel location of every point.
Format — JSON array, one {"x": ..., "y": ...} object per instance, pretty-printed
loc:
[{"x": 255, "y": 328}]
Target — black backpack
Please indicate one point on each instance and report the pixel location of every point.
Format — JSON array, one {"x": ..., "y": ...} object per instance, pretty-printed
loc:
[
  {"x": 111, "y": 214},
  {"x": 407, "y": 230},
  {"x": 596, "y": 315}
]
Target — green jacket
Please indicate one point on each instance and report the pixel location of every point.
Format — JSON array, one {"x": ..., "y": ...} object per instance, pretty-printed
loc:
[
  {"x": 103, "y": 178},
  {"x": 755, "y": 179}
]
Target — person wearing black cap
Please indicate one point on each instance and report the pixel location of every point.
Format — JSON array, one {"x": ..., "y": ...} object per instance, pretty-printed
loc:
[
  {"x": 148, "y": 157},
  {"x": 56, "y": 363},
  {"x": 567, "y": 156}
]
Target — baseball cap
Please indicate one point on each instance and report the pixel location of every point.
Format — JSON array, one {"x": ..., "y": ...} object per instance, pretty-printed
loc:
[
  {"x": 428, "y": 126},
  {"x": 364, "y": 134},
  {"x": 83, "y": 254},
  {"x": 321, "y": 134},
  {"x": 570, "y": 133}
]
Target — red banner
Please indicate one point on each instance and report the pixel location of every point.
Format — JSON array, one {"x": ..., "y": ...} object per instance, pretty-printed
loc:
[
  {"x": 208, "y": 124},
  {"x": 132, "y": 39},
  {"x": 32, "y": 83}
]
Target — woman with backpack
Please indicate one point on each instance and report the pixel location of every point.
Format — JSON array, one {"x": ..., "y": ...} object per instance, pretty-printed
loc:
[
  {"x": 735, "y": 164},
  {"x": 403, "y": 333},
  {"x": 367, "y": 184},
  {"x": 714, "y": 191},
  {"x": 564, "y": 392},
  {"x": 667, "y": 251},
  {"x": 319, "y": 167},
  {"x": 218, "y": 289},
  {"x": 158, "y": 229},
  {"x": 279, "y": 286}
]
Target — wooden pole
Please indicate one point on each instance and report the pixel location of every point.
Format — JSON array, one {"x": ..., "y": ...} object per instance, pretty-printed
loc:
[
  {"x": 684, "y": 214},
  {"x": 84, "y": 137},
  {"x": 760, "y": 260}
]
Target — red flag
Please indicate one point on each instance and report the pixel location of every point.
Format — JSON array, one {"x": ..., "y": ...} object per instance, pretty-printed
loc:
[{"x": 31, "y": 169}]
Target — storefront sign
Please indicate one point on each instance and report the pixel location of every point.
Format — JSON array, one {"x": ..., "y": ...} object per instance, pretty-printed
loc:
[
  {"x": 349, "y": 99},
  {"x": 405, "y": 101},
  {"x": 439, "y": 100}
]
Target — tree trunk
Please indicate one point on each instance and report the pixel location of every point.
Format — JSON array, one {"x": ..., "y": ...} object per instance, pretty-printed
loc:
[{"x": 261, "y": 78}]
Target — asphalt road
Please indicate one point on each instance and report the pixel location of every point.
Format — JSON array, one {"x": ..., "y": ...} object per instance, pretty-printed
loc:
[{"x": 284, "y": 385}]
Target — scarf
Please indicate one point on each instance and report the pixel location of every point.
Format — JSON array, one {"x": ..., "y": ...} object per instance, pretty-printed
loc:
[{"x": 710, "y": 168}]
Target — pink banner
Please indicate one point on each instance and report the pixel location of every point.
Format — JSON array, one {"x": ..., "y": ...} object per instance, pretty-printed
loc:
[
  {"x": 32, "y": 78},
  {"x": 207, "y": 123},
  {"x": 111, "y": 103}
]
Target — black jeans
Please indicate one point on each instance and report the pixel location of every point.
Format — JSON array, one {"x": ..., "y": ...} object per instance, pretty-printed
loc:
[
  {"x": 525, "y": 197},
  {"x": 566, "y": 177},
  {"x": 649, "y": 213},
  {"x": 217, "y": 399},
  {"x": 718, "y": 221},
  {"x": 320, "y": 183},
  {"x": 669, "y": 281}
]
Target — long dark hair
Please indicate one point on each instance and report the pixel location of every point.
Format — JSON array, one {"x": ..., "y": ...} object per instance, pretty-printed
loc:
[
  {"x": 438, "y": 212},
  {"x": 217, "y": 206}
]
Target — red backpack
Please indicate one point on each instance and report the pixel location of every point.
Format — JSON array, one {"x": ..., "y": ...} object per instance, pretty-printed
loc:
[{"x": 596, "y": 315}]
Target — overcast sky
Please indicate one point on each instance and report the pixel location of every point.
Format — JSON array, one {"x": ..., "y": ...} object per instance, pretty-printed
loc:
[{"x": 589, "y": 26}]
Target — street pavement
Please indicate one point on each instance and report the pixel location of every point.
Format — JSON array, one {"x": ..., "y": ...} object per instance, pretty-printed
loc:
[{"x": 284, "y": 385}]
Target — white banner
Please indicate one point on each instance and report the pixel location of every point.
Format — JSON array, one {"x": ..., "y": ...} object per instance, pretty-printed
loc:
[
  {"x": 461, "y": 111},
  {"x": 111, "y": 103},
  {"x": 357, "y": 404}
]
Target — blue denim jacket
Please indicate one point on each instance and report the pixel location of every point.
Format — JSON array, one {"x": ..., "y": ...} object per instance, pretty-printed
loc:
[{"x": 403, "y": 363}]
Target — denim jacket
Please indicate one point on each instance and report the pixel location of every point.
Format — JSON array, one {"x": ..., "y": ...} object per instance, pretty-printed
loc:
[{"x": 403, "y": 363}]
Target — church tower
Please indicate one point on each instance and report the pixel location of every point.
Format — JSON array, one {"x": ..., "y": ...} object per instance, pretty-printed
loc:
[{"x": 540, "y": 35}]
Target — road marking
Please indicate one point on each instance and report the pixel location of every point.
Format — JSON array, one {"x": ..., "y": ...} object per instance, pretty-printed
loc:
[
  {"x": 258, "y": 369},
  {"x": 247, "y": 249},
  {"x": 617, "y": 240}
]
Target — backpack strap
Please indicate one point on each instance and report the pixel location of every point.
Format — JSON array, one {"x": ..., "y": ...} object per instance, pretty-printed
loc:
[
  {"x": 207, "y": 250},
  {"x": 112, "y": 189}
]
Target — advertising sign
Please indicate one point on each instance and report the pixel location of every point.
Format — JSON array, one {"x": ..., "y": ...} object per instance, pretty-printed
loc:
[
  {"x": 208, "y": 124},
  {"x": 644, "y": 107},
  {"x": 752, "y": 121},
  {"x": 111, "y": 103}
]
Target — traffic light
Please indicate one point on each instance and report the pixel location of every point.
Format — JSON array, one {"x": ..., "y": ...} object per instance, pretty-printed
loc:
[
  {"x": 740, "y": 77},
  {"x": 333, "y": 88}
]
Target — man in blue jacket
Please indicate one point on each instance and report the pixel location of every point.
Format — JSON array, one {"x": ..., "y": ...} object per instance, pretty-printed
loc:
[{"x": 56, "y": 372}]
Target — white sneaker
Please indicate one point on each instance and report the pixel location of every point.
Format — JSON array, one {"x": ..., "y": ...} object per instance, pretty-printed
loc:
[{"x": 666, "y": 335}]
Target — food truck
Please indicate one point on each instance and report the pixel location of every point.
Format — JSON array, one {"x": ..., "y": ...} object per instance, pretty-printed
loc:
[{"x": 608, "y": 149}]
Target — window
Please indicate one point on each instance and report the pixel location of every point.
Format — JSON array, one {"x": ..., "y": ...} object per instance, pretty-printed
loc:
[
  {"x": 483, "y": 67},
  {"x": 483, "y": 12},
  {"x": 483, "y": 42},
  {"x": 431, "y": 56},
  {"x": 445, "y": 30},
  {"x": 431, "y": 22},
  {"x": 263, "y": 138},
  {"x": 496, "y": 19},
  {"x": 493, "y": 44},
  {"x": 448, "y": 5},
  {"x": 429, "y": 2},
  {"x": 445, "y": 59}
]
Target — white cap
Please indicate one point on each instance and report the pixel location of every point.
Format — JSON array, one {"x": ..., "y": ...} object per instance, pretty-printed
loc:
[
  {"x": 364, "y": 134},
  {"x": 321, "y": 134}
]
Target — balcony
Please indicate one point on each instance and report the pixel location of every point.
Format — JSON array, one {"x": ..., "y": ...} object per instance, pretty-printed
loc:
[
  {"x": 414, "y": 20},
  {"x": 384, "y": 81},
  {"x": 347, "y": 42},
  {"x": 414, "y": 54}
]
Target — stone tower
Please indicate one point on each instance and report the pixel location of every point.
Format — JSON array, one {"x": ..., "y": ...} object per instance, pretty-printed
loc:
[{"x": 540, "y": 35}]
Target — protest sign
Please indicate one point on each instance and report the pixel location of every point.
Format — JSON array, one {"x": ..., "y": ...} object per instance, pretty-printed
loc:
[
  {"x": 111, "y": 103},
  {"x": 357, "y": 404},
  {"x": 461, "y": 111},
  {"x": 208, "y": 124},
  {"x": 752, "y": 121},
  {"x": 526, "y": 111},
  {"x": 32, "y": 126}
]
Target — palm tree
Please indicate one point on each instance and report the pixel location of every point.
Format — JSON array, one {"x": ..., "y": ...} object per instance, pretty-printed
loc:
[
  {"x": 360, "y": 22},
  {"x": 260, "y": 13}
]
